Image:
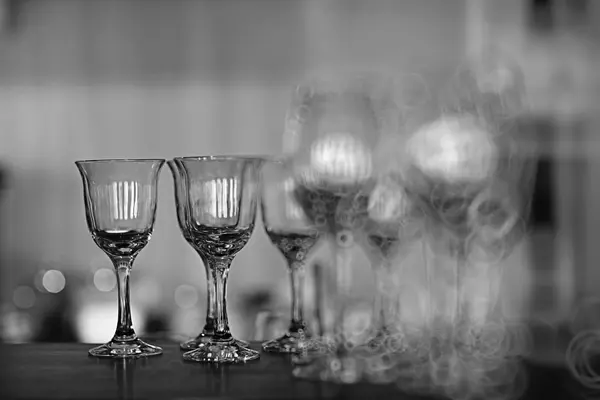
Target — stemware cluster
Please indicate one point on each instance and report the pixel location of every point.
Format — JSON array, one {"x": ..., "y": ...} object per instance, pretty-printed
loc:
[
  {"x": 353, "y": 176},
  {"x": 216, "y": 200},
  {"x": 373, "y": 173},
  {"x": 216, "y": 205}
]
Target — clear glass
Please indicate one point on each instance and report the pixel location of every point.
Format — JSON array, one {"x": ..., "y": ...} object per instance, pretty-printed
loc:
[
  {"x": 333, "y": 131},
  {"x": 208, "y": 331},
  {"x": 221, "y": 200},
  {"x": 120, "y": 204},
  {"x": 394, "y": 224},
  {"x": 469, "y": 166},
  {"x": 294, "y": 235},
  {"x": 471, "y": 171}
]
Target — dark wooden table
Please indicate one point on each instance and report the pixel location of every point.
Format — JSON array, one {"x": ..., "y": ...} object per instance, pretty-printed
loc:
[{"x": 64, "y": 371}]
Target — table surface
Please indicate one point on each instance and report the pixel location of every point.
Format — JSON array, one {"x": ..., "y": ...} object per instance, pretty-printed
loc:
[{"x": 52, "y": 371}]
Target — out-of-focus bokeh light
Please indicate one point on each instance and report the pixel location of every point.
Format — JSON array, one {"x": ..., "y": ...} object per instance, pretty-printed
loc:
[
  {"x": 54, "y": 281},
  {"x": 24, "y": 297},
  {"x": 95, "y": 322},
  {"x": 186, "y": 296},
  {"x": 105, "y": 280},
  {"x": 17, "y": 327}
]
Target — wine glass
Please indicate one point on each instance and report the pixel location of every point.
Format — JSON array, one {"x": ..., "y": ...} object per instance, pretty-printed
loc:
[
  {"x": 394, "y": 223},
  {"x": 332, "y": 130},
  {"x": 221, "y": 199},
  {"x": 466, "y": 171},
  {"x": 120, "y": 204},
  {"x": 181, "y": 204},
  {"x": 294, "y": 235}
]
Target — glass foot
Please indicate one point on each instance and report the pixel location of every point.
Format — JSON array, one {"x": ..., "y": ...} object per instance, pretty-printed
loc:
[
  {"x": 126, "y": 349},
  {"x": 328, "y": 368},
  {"x": 357, "y": 366},
  {"x": 221, "y": 352},
  {"x": 383, "y": 340},
  {"x": 288, "y": 343},
  {"x": 204, "y": 338}
]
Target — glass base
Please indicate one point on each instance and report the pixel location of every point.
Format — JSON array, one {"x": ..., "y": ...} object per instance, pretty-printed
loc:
[
  {"x": 126, "y": 349},
  {"x": 204, "y": 338},
  {"x": 229, "y": 352},
  {"x": 327, "y": 368},
  {"x": 377, "y": 339},
  {"x": 384, "y": 357},
  {"x": 359, "y": 366},
  {"x": 385, "y": 340},
  {"x": 288, "y": 343}
]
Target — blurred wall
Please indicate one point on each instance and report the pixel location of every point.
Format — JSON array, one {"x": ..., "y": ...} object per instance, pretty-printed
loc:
[
  {"x": 561, "y": 64},
  {"x": 164, "y": 78}
]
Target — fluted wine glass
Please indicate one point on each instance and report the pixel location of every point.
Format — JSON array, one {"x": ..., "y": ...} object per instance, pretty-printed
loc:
[
  {"x": 221, "y": 199},
  {"x": 181, "y": 207},
  {"x": 294, "y": 235},
  {"x": 120, "y": 204}
]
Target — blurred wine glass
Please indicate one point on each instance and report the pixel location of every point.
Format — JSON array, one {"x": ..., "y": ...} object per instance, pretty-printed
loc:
[
  {"x": 294, "y": 235},
  {"x": 221, "y": 196},
  {"x": 120, "y": 203},
  {"x": 180, "y": 189},
  {"x": 333, "y": 128},
  {"x": 469, "y": 170},
  {"x": 394, "y": 223}
]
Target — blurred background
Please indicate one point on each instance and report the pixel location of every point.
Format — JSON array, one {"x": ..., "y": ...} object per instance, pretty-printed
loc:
[{"x": 165, "y": 78}]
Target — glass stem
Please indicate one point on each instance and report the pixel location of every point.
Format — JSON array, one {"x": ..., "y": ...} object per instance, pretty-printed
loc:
[
  {"x": 319, "y": 294},
  {"x": 211, "y": 299},
  {"x": 343, "y": 281},
  {"x": 220, "y": 271},
  {"x": 429, "y": 284},
  {"x": 460, "y": 261},
  {"x": 124, "y": 330},
  {"x": 377, "y": 299},
  {"x": 297, "y": 279},
  {"x": 381, "y": 295}
]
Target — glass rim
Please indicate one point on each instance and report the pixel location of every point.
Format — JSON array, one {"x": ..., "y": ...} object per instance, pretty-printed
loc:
[
  {"x": 222, "y": 158},
  {"x": 109, "y": 160}
]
